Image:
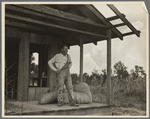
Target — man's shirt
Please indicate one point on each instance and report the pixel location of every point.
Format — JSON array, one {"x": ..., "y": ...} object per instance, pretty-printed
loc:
[{"x": 59, "y": 60}]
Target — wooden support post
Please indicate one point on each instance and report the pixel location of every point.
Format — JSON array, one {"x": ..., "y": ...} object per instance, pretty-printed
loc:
[
  {"x": 48, "y": 68},
  {"x": 108, "y": 67},
  {"x": 41, "y": 82},
  {"x": 81, "y": 59},
  {"x": 23, "y": 73},
  {"x": 12, "y": 93}
]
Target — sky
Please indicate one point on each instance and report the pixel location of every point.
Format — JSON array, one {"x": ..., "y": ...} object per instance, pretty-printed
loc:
[{"x": 131, "y": 51}]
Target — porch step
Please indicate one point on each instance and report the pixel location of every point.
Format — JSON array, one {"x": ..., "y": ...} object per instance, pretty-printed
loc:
[{"x": 32, "y": 108}]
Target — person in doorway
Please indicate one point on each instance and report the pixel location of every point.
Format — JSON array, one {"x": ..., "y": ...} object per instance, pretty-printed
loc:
[{"x": 61, "y": 64}]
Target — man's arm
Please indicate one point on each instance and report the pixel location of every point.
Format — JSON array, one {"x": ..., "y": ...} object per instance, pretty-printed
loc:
[{"x": 51, "y": 62}]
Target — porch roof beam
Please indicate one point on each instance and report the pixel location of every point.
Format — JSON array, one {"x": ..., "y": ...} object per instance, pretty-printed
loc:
[
  {"x": 62, "y": 14},
  {"x": 104, "y": 20},
  {"x": 117, "y": 12},
  {"x": 118, "y": 25},
  {"x": 95, "y": 43},
  {"x": 20, "y": 25},
  {"x": 113, "y": 18},
  {"x": 27, "y": 11},
  {"x": 74, "y": 41},
  {"x": 129, "y": 33},
  {"x": 25, "y": 26},
  {"x": 29, "y": 20},
  {"x": 90, "y": 38}
]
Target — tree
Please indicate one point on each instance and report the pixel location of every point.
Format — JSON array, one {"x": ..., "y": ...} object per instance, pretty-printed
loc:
[
  {"x": 96, "y": 77},
  {"x": 120, "y": 70},
  {"x": 137, "y": 72},
  {"x": 104, "y": 70},
  {"x": 133, "y": 74},
  {"x": 104, "y": 76}
]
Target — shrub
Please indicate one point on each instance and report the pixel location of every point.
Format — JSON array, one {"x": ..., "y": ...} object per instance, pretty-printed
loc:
[{"x": 137, "y": 88}]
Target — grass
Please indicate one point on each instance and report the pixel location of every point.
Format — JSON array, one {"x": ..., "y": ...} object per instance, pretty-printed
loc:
[
  {"x": 123, "y": 100},
  {"x": 122, "y": 111},
  {"x": 128, "y": 101}
]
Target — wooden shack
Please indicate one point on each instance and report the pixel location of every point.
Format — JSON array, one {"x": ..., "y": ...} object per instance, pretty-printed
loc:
[{"x": 42, "y": 28}]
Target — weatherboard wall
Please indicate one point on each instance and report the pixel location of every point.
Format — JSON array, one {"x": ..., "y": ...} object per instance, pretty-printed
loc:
[{"x": 25, "y": 39}]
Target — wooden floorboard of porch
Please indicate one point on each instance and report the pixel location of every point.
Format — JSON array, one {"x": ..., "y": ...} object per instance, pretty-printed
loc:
[{"x": 33, "y": 108}]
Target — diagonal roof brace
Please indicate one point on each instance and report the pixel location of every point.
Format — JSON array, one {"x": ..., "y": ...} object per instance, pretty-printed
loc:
[
  {"x": 104, "y": 20},
  {"x": 116, "y": 11}
]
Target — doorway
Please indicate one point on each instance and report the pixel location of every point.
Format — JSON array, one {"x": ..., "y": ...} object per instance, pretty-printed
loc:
[
  {"x": 11, "y": 67},
  {"x": 38, "y": 83},
  {"x": 38, "y": 65}
]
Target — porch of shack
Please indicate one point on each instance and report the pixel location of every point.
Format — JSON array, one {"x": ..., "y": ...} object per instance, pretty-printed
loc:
[{"x": 41, "y": 29}]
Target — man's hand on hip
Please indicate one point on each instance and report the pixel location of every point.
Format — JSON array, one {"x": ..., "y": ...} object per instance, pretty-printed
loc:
[{"x": 57, "y": 70}]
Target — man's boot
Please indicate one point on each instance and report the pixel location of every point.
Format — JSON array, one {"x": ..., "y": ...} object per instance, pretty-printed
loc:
[
  {"x": 74, "y": 104},
  {"x": 60, "y": 104}
]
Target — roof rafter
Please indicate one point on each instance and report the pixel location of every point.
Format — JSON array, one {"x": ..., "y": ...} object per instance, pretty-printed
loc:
[
  {"x": 114, "y": 18},
  {"x": 129, "y": 33},
  {"x": 27, "y": 11},
  {"x": 104, "y": 20},
  {"x": 25, "y": 26},
  {"x": 51, "y": 25},
  {"x": 118, "y": 25},
  {"x": 33, "y": 14},
  {"x": 61, "y": 14},
  {"x": 116, "y": 11}
]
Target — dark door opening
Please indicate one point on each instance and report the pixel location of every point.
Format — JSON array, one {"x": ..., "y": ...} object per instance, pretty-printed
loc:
[{"x": 11, "y": 67}]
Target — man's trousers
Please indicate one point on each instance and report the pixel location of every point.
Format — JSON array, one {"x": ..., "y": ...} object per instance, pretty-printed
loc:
[{"x": 64, "y": 77}]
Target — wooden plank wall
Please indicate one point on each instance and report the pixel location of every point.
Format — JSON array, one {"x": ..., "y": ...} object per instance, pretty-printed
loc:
[
  {"x": 35, "y": 93},
  {"x": 24, "y": 57},
  {"x": 34, "y": 38}
]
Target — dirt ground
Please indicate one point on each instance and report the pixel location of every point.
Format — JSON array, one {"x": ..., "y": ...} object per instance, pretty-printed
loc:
[{"x": 125, "y": 111}]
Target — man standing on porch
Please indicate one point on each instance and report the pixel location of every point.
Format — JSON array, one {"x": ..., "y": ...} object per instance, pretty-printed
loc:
[{"x": 61, "y": 64}]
